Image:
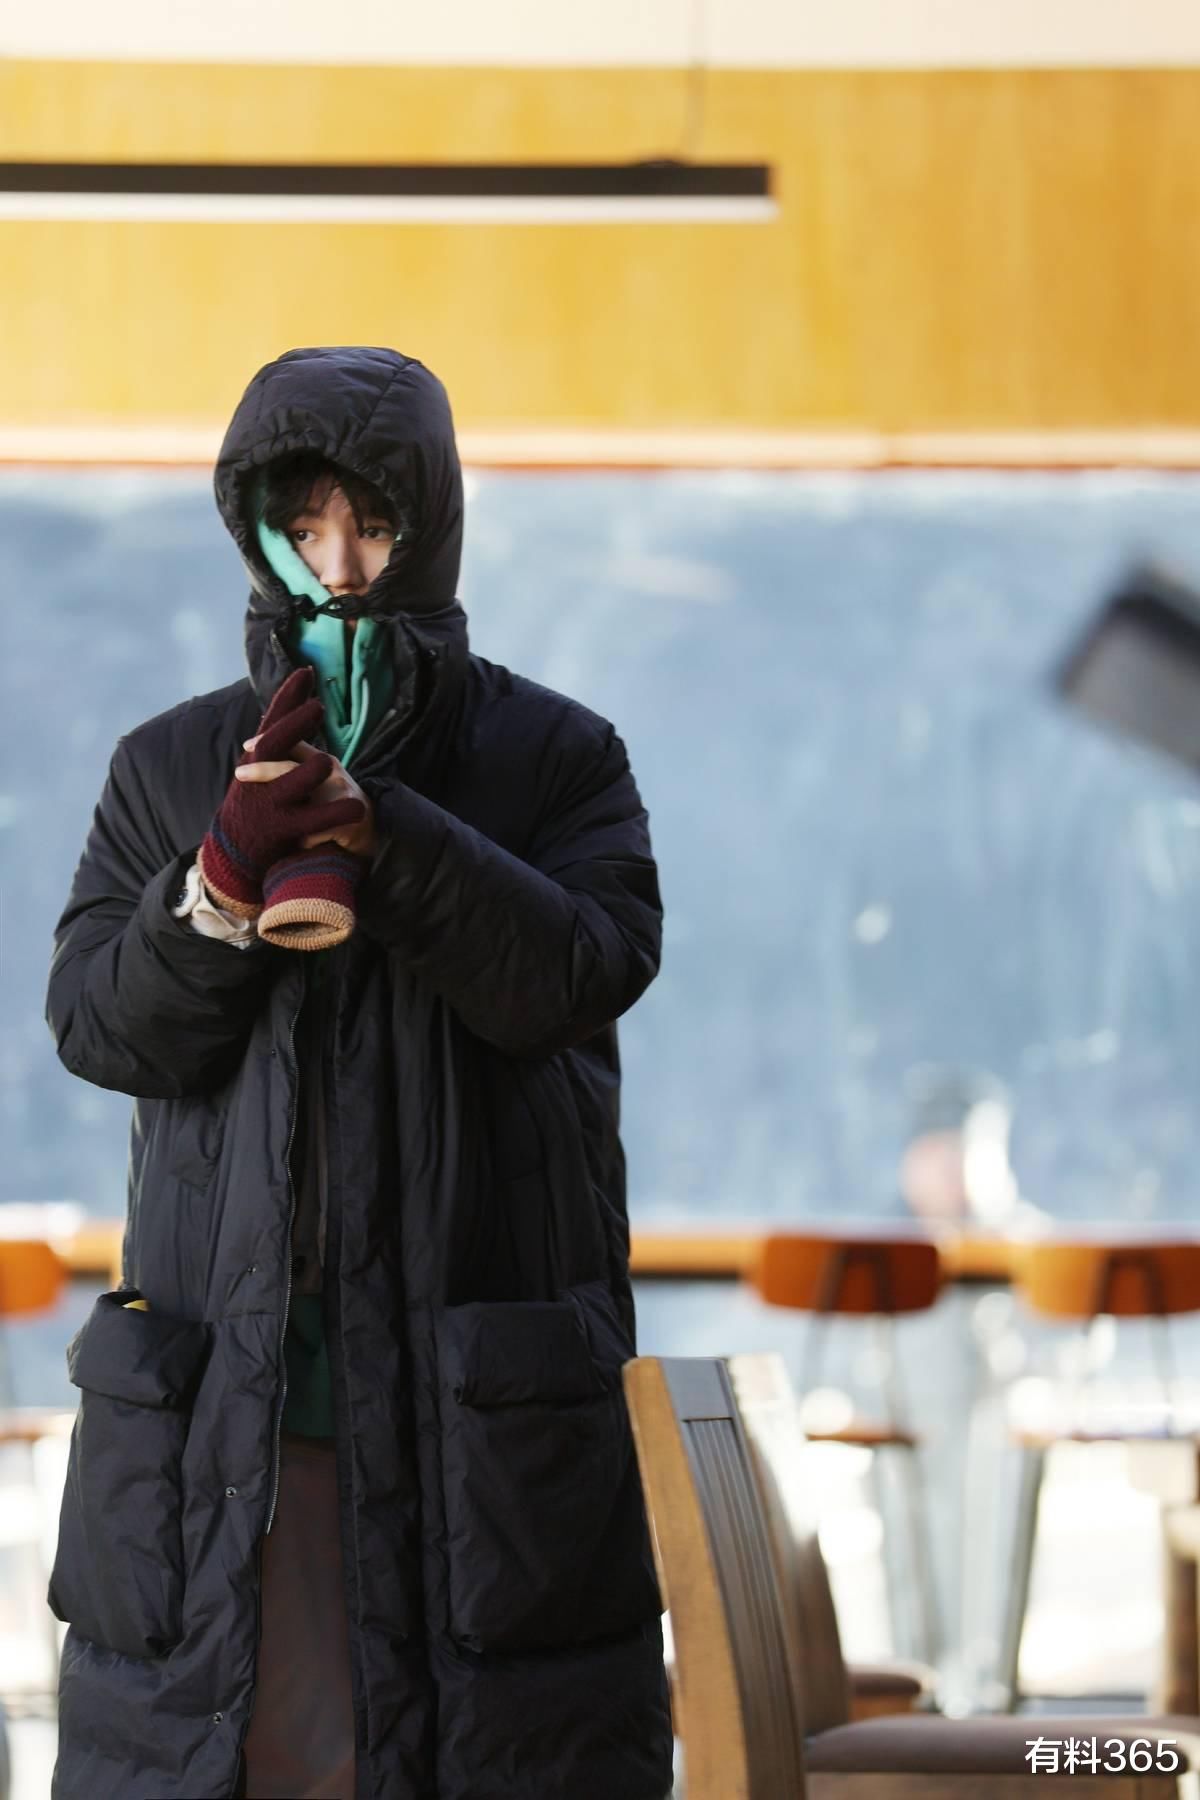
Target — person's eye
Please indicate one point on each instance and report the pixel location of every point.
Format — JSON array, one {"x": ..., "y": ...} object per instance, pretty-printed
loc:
[
  {"x": 299, "y": 534},
  {"x": 377, "y": 532}
]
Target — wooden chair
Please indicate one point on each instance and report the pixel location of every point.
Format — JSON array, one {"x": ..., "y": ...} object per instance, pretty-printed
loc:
[
  {"x": 865, "y": 1275},
  {"x": 1081, "y": 1280},
  {"x": 740, "y": 1664},
  {"x": 835, "y": 1692}
]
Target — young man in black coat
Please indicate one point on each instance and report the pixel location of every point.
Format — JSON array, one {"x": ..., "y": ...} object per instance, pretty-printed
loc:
[{"x": 352, "y": 1506}]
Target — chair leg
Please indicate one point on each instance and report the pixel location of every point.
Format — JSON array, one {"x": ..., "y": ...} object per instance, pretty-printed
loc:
[
  {"x": 921, "y": 1545},
  {"x": 928, "y": 1635},
  {"x": 51, "y": 1623},
  {"x": 892, "y": 1579},
  {"x": 921, "y": 1617},
  {"x": 1033, "y": 1468},
  {"x": 971, "y": 1675}
]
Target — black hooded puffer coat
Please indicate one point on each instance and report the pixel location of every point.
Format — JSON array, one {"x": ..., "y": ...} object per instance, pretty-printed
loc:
[{"x": 504, "y": 1628}]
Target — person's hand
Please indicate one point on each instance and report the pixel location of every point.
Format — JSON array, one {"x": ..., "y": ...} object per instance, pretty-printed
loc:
[
  {"x": 309, "y": 895},
  {"x": 258, "y": 821},
  {"x": 357, "y": 835}
]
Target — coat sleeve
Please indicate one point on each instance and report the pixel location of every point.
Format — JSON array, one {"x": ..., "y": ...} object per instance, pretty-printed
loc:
[
  {"x": 138, "y": 1001},
  {"x": 534, "y": 954}
]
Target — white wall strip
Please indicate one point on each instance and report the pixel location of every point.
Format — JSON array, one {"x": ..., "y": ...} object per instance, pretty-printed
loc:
[
  {"x": 302, "y": 209},
  {"x": 640, "y": 33},
  {"x": 196, "y": 445},
  {"x": 491, "y": 33},
  {"x": 954, "y": 33}
]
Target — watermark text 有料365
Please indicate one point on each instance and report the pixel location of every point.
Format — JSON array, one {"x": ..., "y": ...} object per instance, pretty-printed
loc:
[{"x": 1102, "y": 1756}]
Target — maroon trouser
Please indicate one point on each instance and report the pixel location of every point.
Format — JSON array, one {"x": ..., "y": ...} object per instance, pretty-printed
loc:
[{"x": 300, "y": 1745}]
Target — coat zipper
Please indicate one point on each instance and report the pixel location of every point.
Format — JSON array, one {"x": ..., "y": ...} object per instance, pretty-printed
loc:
[
  {"x": 287, "y": 1296},
  {"x": 330, "y": 1271},
  {"x": 322, "y": 1161},
  {"x": 331, "y": 1261}
]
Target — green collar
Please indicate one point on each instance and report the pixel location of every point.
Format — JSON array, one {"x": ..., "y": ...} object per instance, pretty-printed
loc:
[{"x": 355, "y": 678}]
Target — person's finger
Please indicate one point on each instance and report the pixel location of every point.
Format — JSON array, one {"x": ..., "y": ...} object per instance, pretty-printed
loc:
[
  {"x": 314, "y": 821},
  {"x": 278, "y": 771},
  {"x": 267, "y": 771},
  {"x": 298, "y": 690},
  {"x": 298, "y": 687},
  {"x": 301, "y": 782},
  {"x": 277, "y": 740},
  {"x": 324, "y": 837},
  {"x": 299, "y": 750}
]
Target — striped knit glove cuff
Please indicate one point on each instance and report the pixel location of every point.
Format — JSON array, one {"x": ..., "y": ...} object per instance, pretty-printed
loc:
[{"x": 308, "y": 898}]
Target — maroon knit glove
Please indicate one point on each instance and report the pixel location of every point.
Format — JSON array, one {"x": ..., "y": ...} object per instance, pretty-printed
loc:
[
  {"x": 309, "y": 898},
  {"x": 259, "y": 820}
]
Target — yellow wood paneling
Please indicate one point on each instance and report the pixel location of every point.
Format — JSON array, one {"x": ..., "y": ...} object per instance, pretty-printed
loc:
[
  {"x": 108, "y": 111},
  {"x": 979, "y": 250}
]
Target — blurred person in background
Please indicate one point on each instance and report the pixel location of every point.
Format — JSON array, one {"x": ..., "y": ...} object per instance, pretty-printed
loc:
[
  {"x": 956, "y": 1164},
  {"x": 352, "y": 1506}
]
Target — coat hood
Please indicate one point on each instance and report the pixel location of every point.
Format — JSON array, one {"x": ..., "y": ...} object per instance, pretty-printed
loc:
[{"x": 386, "y": 417}]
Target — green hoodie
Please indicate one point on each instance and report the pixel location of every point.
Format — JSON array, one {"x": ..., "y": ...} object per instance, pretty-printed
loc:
[{"x": 354, "y": 671}]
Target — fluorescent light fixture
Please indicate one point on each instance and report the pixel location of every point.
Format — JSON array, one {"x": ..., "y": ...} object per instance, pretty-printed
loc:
[
  {"x": 384, "y": 194},
  {"x": 249, "y": 209}
]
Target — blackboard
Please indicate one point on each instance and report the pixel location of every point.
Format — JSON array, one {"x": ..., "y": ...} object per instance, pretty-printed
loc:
[{"x": 886, "y": 849}]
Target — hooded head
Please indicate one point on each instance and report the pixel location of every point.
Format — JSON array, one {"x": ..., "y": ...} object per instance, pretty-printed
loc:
[{"x": 385, "y": 418}]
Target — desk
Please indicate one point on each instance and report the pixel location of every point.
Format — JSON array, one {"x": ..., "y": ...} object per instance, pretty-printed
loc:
[
  {"x": 967, "y": 1254},
  {"x": 656, "y": 1255}
]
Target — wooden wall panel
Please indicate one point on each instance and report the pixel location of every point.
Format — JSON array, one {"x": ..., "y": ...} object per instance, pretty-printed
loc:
[{"x": 954, "y": 251}]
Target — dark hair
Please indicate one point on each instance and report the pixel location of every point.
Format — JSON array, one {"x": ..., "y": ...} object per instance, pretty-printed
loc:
[{"x": 297, "y": 483}]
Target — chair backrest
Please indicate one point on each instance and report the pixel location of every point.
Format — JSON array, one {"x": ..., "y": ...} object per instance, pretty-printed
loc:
[
  {"x": 736, "y": 1684},
  {"x": 767, "y": 1403},
  {"x": 31, "y": 1277},
  {"x": 1078, "y": 1279},
  {"x": 828, "y": 1272}
]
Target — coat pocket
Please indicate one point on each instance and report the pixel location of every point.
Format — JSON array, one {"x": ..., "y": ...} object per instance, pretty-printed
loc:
[
  {"x": 118, "y": 1570},
  {"x": 547, "y": 1539}
]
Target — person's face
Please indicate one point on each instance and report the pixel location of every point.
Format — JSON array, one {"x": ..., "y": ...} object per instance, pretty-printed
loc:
[{"x": 344, "y": 559}]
